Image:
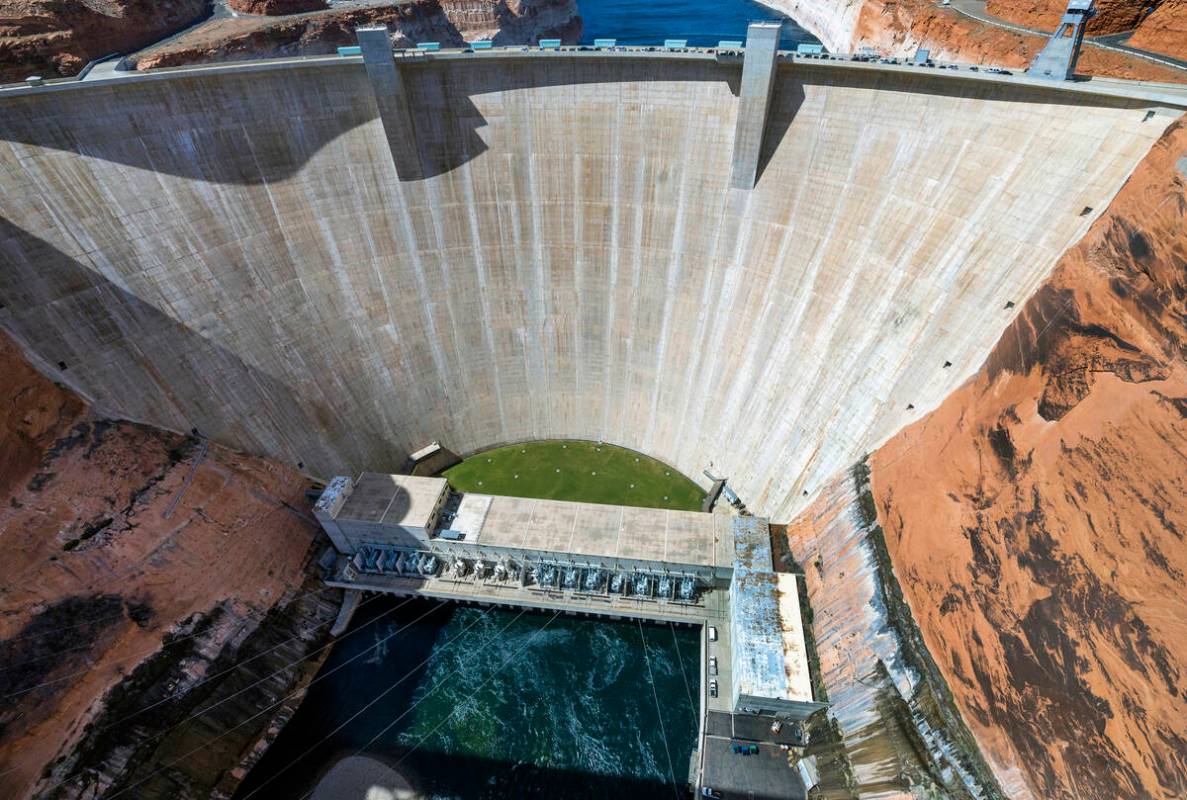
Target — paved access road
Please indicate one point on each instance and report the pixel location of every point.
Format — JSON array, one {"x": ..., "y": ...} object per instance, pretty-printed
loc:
[{"x": 975, "y": 9}]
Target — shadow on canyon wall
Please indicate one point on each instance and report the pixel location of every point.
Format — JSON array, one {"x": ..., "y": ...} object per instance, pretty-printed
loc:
[
  {"x": 359, "y": 711},
  {"x": 455, "y": 775}
]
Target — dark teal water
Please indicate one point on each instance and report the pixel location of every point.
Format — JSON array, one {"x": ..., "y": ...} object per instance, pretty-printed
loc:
[
  {"x": 702, "y": 22},
  {"x": 474, "y": 703}
]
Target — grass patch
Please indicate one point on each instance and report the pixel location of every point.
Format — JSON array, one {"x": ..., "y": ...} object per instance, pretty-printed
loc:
[{"x": 578, "y": 471}]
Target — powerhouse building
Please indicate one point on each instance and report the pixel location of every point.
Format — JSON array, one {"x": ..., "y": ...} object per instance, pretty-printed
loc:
[{"x": 415, "y": 529}]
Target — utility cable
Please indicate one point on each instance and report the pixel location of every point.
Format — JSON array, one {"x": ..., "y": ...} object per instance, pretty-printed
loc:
[
  {"x": 59, "y": 629},
  {"x": 235, "y": 666},
  {"x": 692, "y": 709},
  {"x": 469, "y": 697},
  {"x": 441, "y": 682},
  {"x": 274, "y": 505},
  {"x": 265, "y": 709},
  {"x": 239, "y": 664},
  {"x": 655, "y": 696},
  {"x": 379, "y": 697},
  {"x": 197, "y": 714},
  {"x": 142, "y": 654}
]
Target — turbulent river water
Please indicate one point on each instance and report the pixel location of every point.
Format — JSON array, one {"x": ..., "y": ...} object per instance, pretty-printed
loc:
[{"x": 494, "y": 703}]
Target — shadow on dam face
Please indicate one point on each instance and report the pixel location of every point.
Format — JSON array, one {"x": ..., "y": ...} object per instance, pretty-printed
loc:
[
  {"x": 171, "y": 136},
  {"x": 274, "y": 137}
]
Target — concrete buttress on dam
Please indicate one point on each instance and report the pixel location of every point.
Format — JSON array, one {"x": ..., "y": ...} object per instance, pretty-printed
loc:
[{"x": 232, "y": 249}]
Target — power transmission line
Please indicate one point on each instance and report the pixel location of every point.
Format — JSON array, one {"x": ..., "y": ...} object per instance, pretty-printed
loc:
[
  {"x": 683, "y": 674},
  {"x": 142, "y": 654},
  {"x": 379, "y": 697},
  {"x": 320, "y": 677},
  {"x": 654, "y": 696},
  {"x": 235, "y": 666},
  {"x": 392, "y": 724}
]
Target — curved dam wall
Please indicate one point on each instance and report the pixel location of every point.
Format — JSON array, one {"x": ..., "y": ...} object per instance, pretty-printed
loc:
[{"x": 230, "y": 249}]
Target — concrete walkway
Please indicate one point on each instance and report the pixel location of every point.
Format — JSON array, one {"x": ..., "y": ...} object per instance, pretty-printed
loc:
[{"x": 975, "y": 9}]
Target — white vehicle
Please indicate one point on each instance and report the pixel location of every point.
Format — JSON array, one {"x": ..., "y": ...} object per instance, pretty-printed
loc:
[
  {"x": 712, "y": 688},
  {"x": 712, "y": 634},
  {"x": 712, "y": 665}
]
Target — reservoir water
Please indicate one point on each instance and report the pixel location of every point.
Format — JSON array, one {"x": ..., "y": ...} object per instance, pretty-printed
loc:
[
  {"x": 703, "y": 23},
  {"x": 493, "y": 703}
]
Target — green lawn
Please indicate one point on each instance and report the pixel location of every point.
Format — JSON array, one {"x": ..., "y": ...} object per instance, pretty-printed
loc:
[{"x": 575, "y": 470}]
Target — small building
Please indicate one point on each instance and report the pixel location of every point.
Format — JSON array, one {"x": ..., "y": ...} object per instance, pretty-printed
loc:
[
  {"x": 432, "y": 459},
  {"x": 394, "y": 510},
  {"x": 769, "y": 671}
]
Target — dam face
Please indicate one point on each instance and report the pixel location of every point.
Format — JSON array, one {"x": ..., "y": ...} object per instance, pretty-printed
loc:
[{"x": 230, "y": 249}]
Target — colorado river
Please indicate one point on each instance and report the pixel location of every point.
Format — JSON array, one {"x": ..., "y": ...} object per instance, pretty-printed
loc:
[{"x": 469, "y": 702}]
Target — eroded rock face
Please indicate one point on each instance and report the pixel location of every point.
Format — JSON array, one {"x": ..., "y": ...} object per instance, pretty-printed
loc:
[
  {"x": 900, "y": 27},
  {"x": 58, "y": 37},
  {"x": 1037, "y": 519},
  {"x": 1112, "y": 16},
  {"x": 1165, "y": 30},
  {"x": 450, "y": 22},
  {"x": 136, "y": 562},
  {"x": 892, "y": 728},
  {"x": 276, "y": 7}
]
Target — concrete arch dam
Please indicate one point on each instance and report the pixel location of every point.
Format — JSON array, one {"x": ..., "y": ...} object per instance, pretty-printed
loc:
[{"x": 232, "y": 249}]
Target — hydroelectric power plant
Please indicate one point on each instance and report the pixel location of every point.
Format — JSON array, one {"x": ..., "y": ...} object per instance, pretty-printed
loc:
[{"x": 736, "y": 260}]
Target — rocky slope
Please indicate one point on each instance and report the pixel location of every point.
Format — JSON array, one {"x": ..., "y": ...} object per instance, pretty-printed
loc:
[
  {"x": 450, "y": 22},
  {"x": 276, "y": 7},
  {"x": 58, "y": 37},
  {"x": 1165, "y": 30},
  {"x": 900, "y": 27},
  {"x": 1036, "y": 520},
  {"x": 139, "y": 567},
  {"x": 1112, "y": 16},
  {"x": 892, "y": 729}
]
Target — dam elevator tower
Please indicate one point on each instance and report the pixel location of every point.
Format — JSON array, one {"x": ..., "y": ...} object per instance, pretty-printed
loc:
[{"x": 1057, "y": 60}]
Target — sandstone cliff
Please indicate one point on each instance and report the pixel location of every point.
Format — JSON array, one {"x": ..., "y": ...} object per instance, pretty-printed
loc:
[
  {"x": 1112, "y": 16},
  {"x": 1036, "y": 520},
  {"x": 450, "y": 22},
  {"x": 1165, "y": 30},
  {"x": 892, "y": 729},
  {"x": 900, "y": 27},
  {"x": 58, "y": 37},
  {"x": 276, "y": 7},
  {"x": 139, "y": 567}
]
